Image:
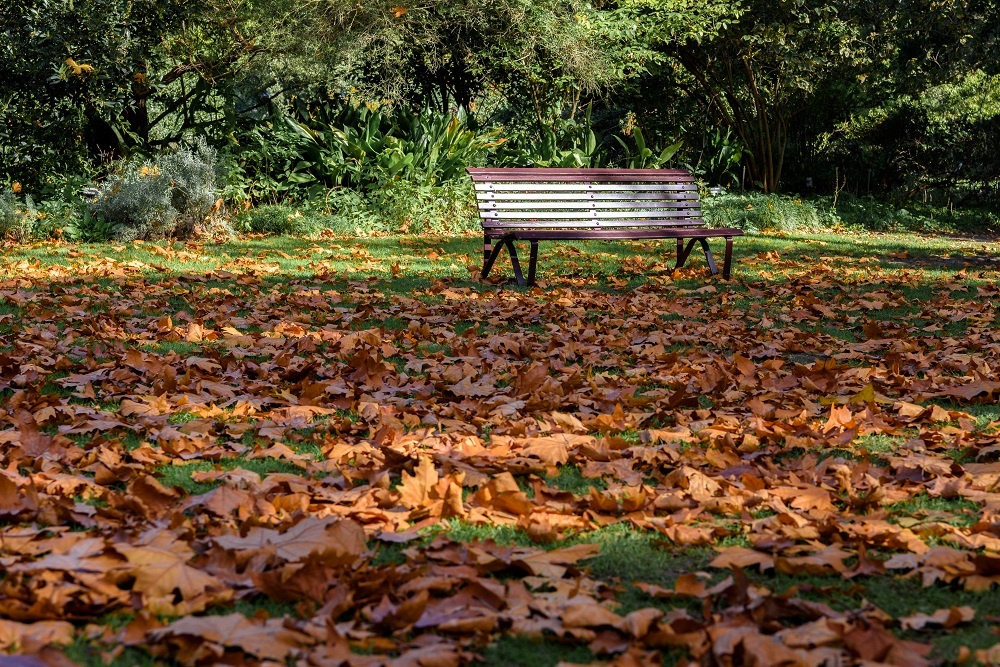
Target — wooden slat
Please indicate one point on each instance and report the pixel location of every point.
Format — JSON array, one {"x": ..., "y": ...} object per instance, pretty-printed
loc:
[
  {"x": 585, "y": 196},
  {"x": 582, "y": 189},
  {"x": 654, "y": 233},
  {"x": 582, "y": 215},
  {"x": 525, "y": 175},
  {"x": 590, "y": 224},
  {"x": 621, "y": 205}
]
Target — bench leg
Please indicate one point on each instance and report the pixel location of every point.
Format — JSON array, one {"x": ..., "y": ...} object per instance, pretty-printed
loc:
[
  {"x": 682, "y": 252},
  {"x": 533, "y": 261},
  {"x": 513, "y": 260},
  {"x": 708, "y": 257},
  {"x": 487, "y": 248},
  {"x": 727, "y": 265},
  {"x": 490, "y": 259}
]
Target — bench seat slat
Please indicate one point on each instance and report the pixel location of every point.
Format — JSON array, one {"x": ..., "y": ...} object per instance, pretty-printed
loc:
[
  {"x": 590, "y": 206},
  {"x": 587, "y": 196},
  {"x": 584, "y": 215},
  {"x": 582, "y": 188},
  {"x": 584, "y": 224},
  {"x": 675, "y": 232}
]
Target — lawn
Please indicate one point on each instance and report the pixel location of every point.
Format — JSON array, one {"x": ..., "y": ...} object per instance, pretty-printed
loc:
[{"x": 352, "y": 452}]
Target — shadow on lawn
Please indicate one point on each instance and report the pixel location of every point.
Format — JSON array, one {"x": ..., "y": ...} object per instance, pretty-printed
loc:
[{"x": 411, "y": 265}]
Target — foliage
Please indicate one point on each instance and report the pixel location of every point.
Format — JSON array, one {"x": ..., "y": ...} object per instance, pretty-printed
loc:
[
  {"x": 88, "y": 226},
  {"x": 70, "y": 70},
  {"x": 537, "y": 56},
  {"x": 277, "y": 219},
  {"x": 171, "y": 195},
  {"x": 755, "y": 65},
  {"x": 395, "y": 207},
  {"x": 941, "y": 138},
  {"x": 17, "y": 218},
  {"x": 365, "y": 148},
  {"x": 644, "y": 157},
  {"x": 567, "y": 144},
  {"x": 758, "y": 212},
  {"x": 720, "y": 159},
  {"x": 300, "y": 99}
]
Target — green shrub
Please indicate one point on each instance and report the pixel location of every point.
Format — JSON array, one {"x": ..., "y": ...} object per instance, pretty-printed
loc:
[
  {"x": 353, "y": 146},
  {"x": 756, "y": 212},
  {"x": 277, "y": 220},
  {"x": 405, "y": 207},
  {"x": 16, "y": 219},
  {"x": 861, "y": 212},
  {"x": 398, "y": 207},
  {"x": 82, "y": 225},
  {"x": 173, "y": 195}
]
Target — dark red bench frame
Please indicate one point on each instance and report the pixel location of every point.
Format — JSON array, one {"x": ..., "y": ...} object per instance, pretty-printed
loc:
[{"x": 606, "y": 204}]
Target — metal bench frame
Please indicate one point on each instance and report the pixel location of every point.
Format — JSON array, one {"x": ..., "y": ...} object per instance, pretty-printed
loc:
[{"x": 604, "y": 204}]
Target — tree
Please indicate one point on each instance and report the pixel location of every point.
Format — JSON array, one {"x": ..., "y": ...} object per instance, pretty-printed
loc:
[
  {"x": 924, "y": 112},
  {"x": 71, "y": 74},
  {"x": 91, "y": 79},
  {"x": 539, "y": 55},
  {"x": 753, "y": 65}
]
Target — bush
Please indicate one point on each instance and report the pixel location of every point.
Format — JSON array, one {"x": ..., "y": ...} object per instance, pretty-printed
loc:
[
  {"x": 277, "y": 220},
  {"x": 398, "y": 207},
  {"x": 174, "y": 195},
  {"x": 402, "y": 207},
  {"x": 756, "y": 212},
  {"x": 16, "y": 219}
]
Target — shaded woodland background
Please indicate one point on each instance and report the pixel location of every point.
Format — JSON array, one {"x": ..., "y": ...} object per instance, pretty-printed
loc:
[{"x": 373, "y": 109}]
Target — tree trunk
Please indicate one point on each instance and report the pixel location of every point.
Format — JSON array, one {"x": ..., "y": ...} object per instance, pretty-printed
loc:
[{"x": 137, "y": 112}]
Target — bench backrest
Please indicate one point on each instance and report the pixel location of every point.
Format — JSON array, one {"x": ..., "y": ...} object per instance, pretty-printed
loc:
[{"x": 512, "y": 199}]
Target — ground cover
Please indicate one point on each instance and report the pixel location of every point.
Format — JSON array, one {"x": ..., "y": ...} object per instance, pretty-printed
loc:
[{"x": 340, "y": 452}]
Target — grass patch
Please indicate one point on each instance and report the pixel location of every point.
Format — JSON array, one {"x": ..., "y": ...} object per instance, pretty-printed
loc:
[
  {"x": 509, "y": 651},
  {"x": 180, "y": 475},
  {"x": 922, "y": 508},
  {"x": 570, "y": 478}
]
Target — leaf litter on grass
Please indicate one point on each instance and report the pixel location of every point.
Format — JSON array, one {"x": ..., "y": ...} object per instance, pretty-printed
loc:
[{"x": 722, "y": 422}]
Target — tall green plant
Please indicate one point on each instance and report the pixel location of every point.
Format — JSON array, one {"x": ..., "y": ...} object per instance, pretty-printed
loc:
[
  {"x": 375, "y": 146},
  {"x": 567, "y": 144},
  {"x": 720, "y": 158},
  {"x": 643, "y": 157}
]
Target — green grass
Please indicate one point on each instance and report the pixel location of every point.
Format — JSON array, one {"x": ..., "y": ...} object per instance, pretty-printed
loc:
[
  {"x": 956, "y": 511},
  {"x": 180, "y": 475},
  {"x": 180, "y": 347},
  {"x": 467, "y": 532},
  {"x": 595, "y": 260},
  {"x": 510, "y": 651},
  {"x": 570, "y": 478}
]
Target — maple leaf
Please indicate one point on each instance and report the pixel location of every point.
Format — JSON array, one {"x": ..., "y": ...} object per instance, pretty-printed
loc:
[
  {"x": 30, "y": 637},
  {"x": 415, "y": 490},
  {"x": 161, "y": 569},
  {"x": 267, "y": 640},
  {"x": 465, "y": 387},
  {"x": 552, "y": 451},
  {"x": 944, "y": 618},
  {"x": 553, "y": 563},
  {"x": 155, "y": 498},
  {"x": 334, "y": 540},
  {"x": 743, "y": 558}
]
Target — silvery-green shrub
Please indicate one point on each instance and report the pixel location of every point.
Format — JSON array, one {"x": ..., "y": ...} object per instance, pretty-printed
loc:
[{"x": 168, "y": 196}]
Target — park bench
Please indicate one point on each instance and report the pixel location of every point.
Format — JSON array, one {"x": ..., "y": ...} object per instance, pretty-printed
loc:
[{"x": 559, "y": 204}]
